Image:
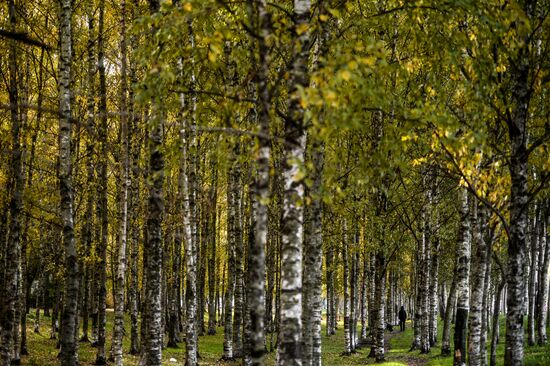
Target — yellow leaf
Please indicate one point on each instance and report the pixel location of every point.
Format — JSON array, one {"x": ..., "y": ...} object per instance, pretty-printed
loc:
[
  {"x": 369, "y": 61},
  {"x": 501, "y": 68},
  {"x": 302, "y": 28},
  {"x": 212, "y": 57},
  {"x": 345, "y": 74},
  {"x": 323, "y": 17},
  {"x": 352, "y": 65},
  {"x": 188, "y": 7}
]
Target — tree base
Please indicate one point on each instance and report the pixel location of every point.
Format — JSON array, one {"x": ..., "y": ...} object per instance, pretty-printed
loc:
[
  {"x": 172, "y": 344},
  {"x": 84, "y": 339},
  {"x": 100, "y": 361},
  {"x": 346, "y": 354}
]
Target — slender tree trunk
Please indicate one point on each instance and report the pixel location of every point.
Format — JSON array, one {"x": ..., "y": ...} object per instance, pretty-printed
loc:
[
  {"x": 354, "y": 287},
  {"x": 289, "y": 351},
  {"x": 256, "y": 269},
  {"x": 313, "y": 257},
  {"x": 239, "y": 254},
  {"x": 345, "y": 254},
  {"x": 189, "y": 139},
  {"x": 379, "y": 300},
  {"x": 121, "y": 260},
  {"x": 212, "y": 223},
  {"x": 41, "y": 291},
  {"x": 153, "y": 245},
  {"x": 434, "y": 269},
  {"x": 417, "y": 301},
  {"x": 8, "y": 319},
  {"x": 364, "y": 309},
  {"x": 69, "y": 356},
  {"x": 451, "y": 299},
  {"x": 25, "y": 277},
  {"x": 478, "y": 284},
  {"x": 532, "y": 279},
  {"x": 424, "y": 285},
  {"x": 135, "y": 133},
  {"x": 542, "y": 295},
  {"x": 463, "y": 276},
  {"x": 372, "y": 309},
  {"x": 143, "y": 303},
  {"x": 228, "y": 305},
  {"x": 433, "y": 294},
  {"x": 103, "y": 192},
  {"x": 517, "y": 133},
  {"x": 495, "y": 330},
  {"x": 330, "y": 288}
]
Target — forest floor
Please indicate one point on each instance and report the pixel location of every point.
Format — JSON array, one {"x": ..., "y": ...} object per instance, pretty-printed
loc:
[{"x": 43, "y": 352}]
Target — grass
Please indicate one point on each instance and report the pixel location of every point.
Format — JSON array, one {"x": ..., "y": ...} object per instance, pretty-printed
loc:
[{"x": 42, "y": 351}]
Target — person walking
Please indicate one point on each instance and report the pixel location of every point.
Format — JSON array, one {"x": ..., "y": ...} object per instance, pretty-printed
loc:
[{"x": 402, "y": 318}]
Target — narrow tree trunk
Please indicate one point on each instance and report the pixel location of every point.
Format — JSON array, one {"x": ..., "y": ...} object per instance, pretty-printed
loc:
[
  {"x": 121, "y": 260},
  {"x": 289, "y": 351},
  {"x": 256, "y": 269},
  {"x": 542, "y": 295},
  {"x": 517, "y": 132},
  {"x": 495, "y": 330},
  {"x": 69, "y": 355},
  {"x": 417, "y": 322},
  {"x": 371, "y": 306},
  {"x": 8, "y": 319},
  {"x": 153, "y": 245},
  {"x": 25, "y": 277},
  {"x": 451, "y": 299},
  {"x": 329, "y": 267},
  {"x": 345, "y": 255},
  {"x": 532, "y": 278},
  {"x": 103, "y": 192},
  {"x": 190, "y": 225},
  {"x": 313, "y": 261},
  {"x": 424, "y": 283},
  {"x": 133, "y": 290},
  {"x": 228, "y": 300},
  {"x": 379, "y": 300},
  {"x": 212, "y": 223},
  {"x": 463, "y": 275},
  {"x": 239, "y": 254},
  {"x": 478, "y": 284},
  {"x": 364, "y": 309},
  {"x": 486, "y": 313}
]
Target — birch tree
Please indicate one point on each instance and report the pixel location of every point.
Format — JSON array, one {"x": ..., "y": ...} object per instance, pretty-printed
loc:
[
  {"x": 289, "y": 351},
  {"x": 462, "y": 282},
  {"x": 69, "y": 356}
]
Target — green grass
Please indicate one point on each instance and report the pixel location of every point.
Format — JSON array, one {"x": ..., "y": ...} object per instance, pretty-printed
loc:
[{"x": 42, "y": 351}]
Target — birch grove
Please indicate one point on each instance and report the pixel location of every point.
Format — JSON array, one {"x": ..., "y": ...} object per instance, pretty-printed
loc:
[{"x": 305, "y": 182}]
